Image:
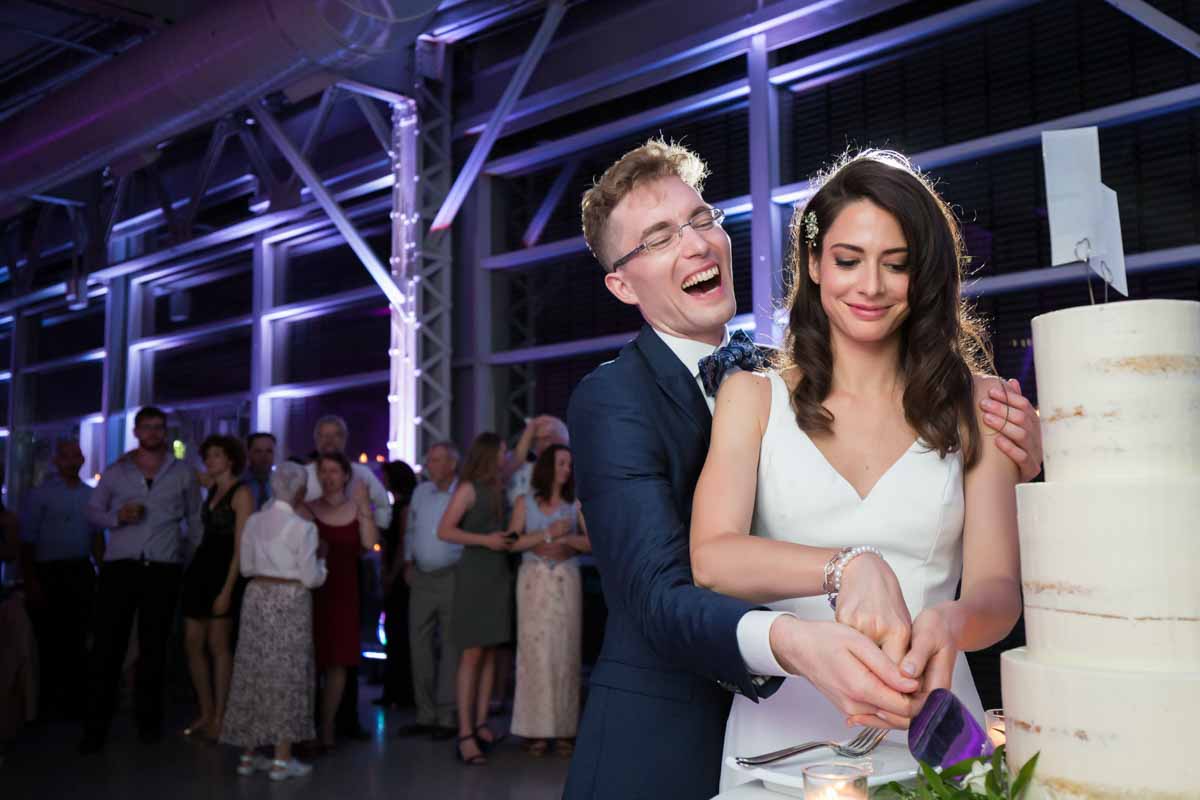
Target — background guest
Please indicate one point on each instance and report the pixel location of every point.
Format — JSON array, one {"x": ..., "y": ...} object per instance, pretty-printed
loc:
[
  {"x": 540, "y": 433},
  {"x": 329, "y": 438},
  {"x": 211, "y": 586},
  {"x": 551, "y": 533},
  {"x": 482, "y": 588},
  {"x": 260, "y": 460},
  {"x": 429, "y": 566},
  {"x": 57, "y": 545},
  {"x": 346, "y": 526},
  {"x": 18, "y": 651},
  {"x": 146, "y": 500},
  {"x": 400, "y": 481},
  {"x": 271, "y": 700}
]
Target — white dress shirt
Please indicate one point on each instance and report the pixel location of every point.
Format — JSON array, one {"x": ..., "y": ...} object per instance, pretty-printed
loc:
[
  {"x": 754, "y": 628},
  {"x": 279, "y": 543},
  {"x": 421, "y": 543},
  {"x": 380, "y": 501}
]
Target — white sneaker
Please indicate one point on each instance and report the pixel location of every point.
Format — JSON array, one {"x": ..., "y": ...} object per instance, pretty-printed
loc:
[
  {"x": 248, "y": 765},
  {"x": 282, "y": 770}
]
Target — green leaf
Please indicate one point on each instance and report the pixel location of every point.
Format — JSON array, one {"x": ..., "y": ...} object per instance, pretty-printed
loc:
[
  {"x": 995, "y": 783},
  {"x": 1024, "y": 777},
  {"x": 961, "y": 768},
  {"x": 998, "y": 761},
  {"x": 933, "y": 778},
  {"x": 894, "y": 788}
]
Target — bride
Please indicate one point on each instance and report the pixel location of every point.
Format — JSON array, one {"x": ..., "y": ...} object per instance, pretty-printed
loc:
[{"x": 859, "y": 463}]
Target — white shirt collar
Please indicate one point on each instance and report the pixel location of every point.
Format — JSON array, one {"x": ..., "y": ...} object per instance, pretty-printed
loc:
[{"x": 690, "y": 351}]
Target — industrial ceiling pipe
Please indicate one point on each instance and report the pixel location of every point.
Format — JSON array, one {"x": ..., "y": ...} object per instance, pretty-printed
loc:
[{"x": 228, "y": 54}]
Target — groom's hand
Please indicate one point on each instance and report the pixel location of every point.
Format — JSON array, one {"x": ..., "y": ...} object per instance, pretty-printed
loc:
[
  {"x": 872, "y": 603},
  {"x": 846, "y": 667}
]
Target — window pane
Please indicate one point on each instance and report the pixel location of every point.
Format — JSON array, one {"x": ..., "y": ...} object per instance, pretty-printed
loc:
[
  {"x": 316, "y": 270},
  {"x": 74, "y": 391},
  {"x": 344, "y": 343},
  {"x": 231, "y": 295},
  {"x": 58, "y": 333},
  {"x": 214, "y": 367}
]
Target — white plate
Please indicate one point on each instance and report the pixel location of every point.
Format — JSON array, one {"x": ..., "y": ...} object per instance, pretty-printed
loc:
[{"x": 891, "y": 761}]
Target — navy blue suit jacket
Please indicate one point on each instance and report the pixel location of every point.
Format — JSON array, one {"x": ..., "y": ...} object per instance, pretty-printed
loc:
[{"x": 655, "y": 716}]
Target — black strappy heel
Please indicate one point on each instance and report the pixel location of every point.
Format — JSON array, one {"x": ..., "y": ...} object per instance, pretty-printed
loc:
[{"x": 474, "y": 761}]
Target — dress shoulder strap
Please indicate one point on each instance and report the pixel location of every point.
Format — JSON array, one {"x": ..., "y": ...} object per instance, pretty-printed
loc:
[{"x": 226, "y": 500}]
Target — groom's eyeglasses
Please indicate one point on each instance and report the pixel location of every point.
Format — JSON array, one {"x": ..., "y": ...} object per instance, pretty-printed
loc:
[{"x": 660, "y": 240}]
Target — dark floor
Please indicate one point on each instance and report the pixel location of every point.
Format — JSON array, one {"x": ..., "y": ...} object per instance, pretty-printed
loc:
[{"x": 44, "y": 765}]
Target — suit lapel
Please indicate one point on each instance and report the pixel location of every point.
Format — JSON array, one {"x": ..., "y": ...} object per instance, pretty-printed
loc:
[{"x": 675, "y": 380}]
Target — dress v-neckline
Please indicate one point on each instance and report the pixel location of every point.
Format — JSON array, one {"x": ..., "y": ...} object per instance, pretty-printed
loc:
[{"x": 862, "y": 499}]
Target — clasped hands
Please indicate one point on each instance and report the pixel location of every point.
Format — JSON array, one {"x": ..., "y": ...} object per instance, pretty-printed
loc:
[
  {"x": 874, "y": 663},
  {"x": 504, "y": 541}
]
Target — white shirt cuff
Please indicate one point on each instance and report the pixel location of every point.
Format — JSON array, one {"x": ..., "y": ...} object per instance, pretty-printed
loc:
[{"x": 754, "y": 642}]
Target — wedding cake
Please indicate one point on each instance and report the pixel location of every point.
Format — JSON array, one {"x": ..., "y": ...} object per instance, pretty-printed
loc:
[{"x": 1108, "y": 688}]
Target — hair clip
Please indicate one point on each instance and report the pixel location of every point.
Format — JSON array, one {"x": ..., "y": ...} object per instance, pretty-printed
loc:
[{"x": 810, "y": 228}]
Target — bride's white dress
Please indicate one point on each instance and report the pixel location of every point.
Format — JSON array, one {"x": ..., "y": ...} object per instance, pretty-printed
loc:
[{"x": 914, "y": 515}]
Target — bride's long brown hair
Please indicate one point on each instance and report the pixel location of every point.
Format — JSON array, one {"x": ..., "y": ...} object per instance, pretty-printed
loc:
[{"x": 942, "y": 341}]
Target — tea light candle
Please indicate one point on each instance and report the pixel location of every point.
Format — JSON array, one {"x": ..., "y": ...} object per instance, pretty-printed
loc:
[
  {"x": 835, "y": 782},
  {"x": 994, "y": 724}
]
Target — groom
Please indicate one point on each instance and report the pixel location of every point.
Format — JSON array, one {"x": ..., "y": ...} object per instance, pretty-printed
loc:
[{"x": 640, "y": 425}]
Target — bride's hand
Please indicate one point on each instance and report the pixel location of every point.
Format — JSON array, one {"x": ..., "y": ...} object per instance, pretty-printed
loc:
[
  {"x": 871, "y": 602},
  {"x": 931, "y": 658},
  {"x": 847, "y": 668}
]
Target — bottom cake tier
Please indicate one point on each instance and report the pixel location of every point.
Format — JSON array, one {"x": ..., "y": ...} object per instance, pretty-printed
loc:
[{"x": 1102, "y": 735}]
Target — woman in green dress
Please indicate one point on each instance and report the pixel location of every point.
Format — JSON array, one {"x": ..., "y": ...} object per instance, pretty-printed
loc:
[{"x": 482, "y": 615}]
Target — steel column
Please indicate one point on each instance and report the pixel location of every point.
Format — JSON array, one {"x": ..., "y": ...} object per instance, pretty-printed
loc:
[
  {"x": 435, "y": 264},
  {"x": 112, "y": 404},
  {"x": 766, "y": 280},
  {"x": 482, "y": 383},
  {"x": 403, "y": 399},
  {"x": 262, "y": 333}
]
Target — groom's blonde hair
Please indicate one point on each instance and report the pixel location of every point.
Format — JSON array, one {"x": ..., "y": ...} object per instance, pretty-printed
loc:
[{"x": 657, "y": 158}]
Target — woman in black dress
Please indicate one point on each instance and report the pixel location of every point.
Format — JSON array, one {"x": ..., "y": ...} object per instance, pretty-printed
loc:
[{"x": 211, "y": 587}]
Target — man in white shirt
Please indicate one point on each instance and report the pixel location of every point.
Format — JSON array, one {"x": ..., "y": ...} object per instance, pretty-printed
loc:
[
  {"x": 429, "y": 566},
  {"x": 329, "y": 436}
]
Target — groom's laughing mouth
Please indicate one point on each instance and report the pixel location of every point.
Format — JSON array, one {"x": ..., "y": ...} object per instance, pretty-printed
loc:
[{"x": 704, "y": 282}]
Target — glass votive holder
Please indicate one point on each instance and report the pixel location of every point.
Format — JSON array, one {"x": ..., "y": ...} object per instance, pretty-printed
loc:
[
  {"x": 835, "y": 782},
  {"x": 993, "y": 723}
]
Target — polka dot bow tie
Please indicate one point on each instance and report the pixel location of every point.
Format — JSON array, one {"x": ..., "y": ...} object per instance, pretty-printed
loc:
[{"x": 740, "y": 353}]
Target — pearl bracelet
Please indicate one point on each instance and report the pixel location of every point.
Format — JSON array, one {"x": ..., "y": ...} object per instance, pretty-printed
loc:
[{"x": 837, "y": 564}]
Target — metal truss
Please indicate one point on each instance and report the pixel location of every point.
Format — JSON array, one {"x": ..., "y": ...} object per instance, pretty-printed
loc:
[
  {"x": 433, "y": 268},
  {"x": 1160, "y": 23}
]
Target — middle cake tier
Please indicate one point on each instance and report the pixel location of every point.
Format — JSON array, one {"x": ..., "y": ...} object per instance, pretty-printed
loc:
[{"x": 1110, "y": 571}]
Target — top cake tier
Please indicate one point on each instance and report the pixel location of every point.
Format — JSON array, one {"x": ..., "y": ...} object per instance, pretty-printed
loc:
[{"x": 1119, "y": 389}]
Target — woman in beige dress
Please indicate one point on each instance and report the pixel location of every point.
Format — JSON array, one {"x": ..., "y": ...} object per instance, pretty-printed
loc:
[{"x": 550, "y": 533}]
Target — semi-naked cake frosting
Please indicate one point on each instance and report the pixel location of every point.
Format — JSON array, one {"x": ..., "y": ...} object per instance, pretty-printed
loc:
[{"x": 1109, "y": 684}]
